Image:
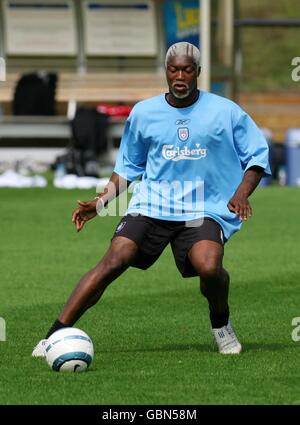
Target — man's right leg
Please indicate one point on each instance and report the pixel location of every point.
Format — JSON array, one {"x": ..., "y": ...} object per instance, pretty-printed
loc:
[
  {"x": 92, "y": 285},
  {"x": 90, "y": 288},
  {"x": 206, "y": 257}
]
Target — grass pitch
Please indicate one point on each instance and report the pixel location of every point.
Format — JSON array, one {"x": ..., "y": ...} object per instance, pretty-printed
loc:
[{"x": 151, "y": 329}]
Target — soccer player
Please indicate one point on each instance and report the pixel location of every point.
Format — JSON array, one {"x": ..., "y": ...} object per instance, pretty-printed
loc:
[{"x": 199, "y": 157}]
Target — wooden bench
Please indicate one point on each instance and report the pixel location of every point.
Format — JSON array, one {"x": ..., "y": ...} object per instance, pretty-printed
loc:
[
  {"x": 56, "y": 127},
  {"x": 27, "y": 127},
  {"x": 96, "y": 87},
  {"x": 88, "y": 89}
]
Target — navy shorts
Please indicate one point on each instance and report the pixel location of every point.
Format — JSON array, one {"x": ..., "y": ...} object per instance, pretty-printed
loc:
[{"x": 153, "y": 235}]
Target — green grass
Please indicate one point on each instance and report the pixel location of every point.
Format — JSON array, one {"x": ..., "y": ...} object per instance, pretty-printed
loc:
[
  {"x": 268, "y": 68},
  {"x": 151, "y": 329}
]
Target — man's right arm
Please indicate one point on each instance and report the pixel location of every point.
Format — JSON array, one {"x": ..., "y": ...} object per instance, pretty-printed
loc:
[
  {"x": 131, "y": 162},
  {"x": 112, "y": 190},
  {"x": 89, "y": 209}
]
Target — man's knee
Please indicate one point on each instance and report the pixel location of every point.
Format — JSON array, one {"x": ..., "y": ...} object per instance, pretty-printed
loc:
[
  {"x": 206, "y": 258},
  {"x": 120, "y": 255},
  {"x": 209, "y": 269},
  {"x": 114, "y": 262}
]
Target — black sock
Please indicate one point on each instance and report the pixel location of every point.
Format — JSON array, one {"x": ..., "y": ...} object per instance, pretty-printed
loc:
[
  {"x": 55, "y": 327},
  {"x": 218, "y": 320}
]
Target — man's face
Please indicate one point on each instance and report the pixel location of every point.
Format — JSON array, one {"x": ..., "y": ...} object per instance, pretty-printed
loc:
[{"x": 182, "y": 76}]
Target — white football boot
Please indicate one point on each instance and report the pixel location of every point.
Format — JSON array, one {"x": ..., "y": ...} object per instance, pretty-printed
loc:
[
  {"x": 226, "y": 340},
  {"x": 39, "y": 349}
]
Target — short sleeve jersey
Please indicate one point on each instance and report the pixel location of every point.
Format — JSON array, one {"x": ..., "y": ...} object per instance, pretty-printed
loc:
[{"x": 189, "y": 161}]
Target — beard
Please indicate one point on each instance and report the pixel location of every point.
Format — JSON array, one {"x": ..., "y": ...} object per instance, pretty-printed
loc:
[{"x": 180, "y": 95}]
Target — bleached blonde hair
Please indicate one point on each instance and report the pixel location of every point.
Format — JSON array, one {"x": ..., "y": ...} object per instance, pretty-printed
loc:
[{"x": 183, "y": 48}]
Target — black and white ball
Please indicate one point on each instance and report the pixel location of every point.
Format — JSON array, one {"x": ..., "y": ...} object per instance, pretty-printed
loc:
[{"x": 69, "y": 350}]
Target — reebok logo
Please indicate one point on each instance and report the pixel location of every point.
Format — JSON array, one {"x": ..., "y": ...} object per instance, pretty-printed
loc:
[{"x": 182, "y": 121}]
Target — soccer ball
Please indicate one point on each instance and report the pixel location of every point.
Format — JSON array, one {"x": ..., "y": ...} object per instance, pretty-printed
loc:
[{"x": 69, "y": 350}]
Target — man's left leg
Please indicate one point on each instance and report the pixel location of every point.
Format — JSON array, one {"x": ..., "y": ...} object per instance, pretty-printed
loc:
[{"x": 206, "y": 258}]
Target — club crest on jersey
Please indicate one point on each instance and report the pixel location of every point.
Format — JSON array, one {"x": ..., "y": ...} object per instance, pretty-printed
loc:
[{"x": 183, "y": 133}]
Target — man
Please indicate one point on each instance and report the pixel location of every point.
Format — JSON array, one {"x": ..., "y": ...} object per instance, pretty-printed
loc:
[{"x": 199, "y": 157}]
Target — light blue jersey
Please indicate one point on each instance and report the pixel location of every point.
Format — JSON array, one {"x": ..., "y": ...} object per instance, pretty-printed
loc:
[{"x": 190, "y": 160}]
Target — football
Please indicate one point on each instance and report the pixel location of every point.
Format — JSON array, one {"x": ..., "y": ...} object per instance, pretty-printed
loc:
[{"x": 69, "y": 350}]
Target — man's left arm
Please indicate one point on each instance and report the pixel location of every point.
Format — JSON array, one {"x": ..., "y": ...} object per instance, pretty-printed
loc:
[{"x": 239, "y": 203}]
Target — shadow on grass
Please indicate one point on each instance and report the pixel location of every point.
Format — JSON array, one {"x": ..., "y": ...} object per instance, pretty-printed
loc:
[
  {"x": 209, "y": 348},
  {"x": 38, "y": 322},
  {"x": 164, "y": 348},
  {"x": 254, "y": 346}
]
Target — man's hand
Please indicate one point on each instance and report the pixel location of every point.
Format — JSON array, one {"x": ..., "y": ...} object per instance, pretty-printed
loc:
[
  {"x": 84, "y": 213},
  {"x": 88, "y": 210},
  {"x": 240, "y": 205}
]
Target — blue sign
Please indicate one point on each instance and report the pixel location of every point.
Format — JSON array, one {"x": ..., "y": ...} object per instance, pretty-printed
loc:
[{"x": 181, "y": 19}]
